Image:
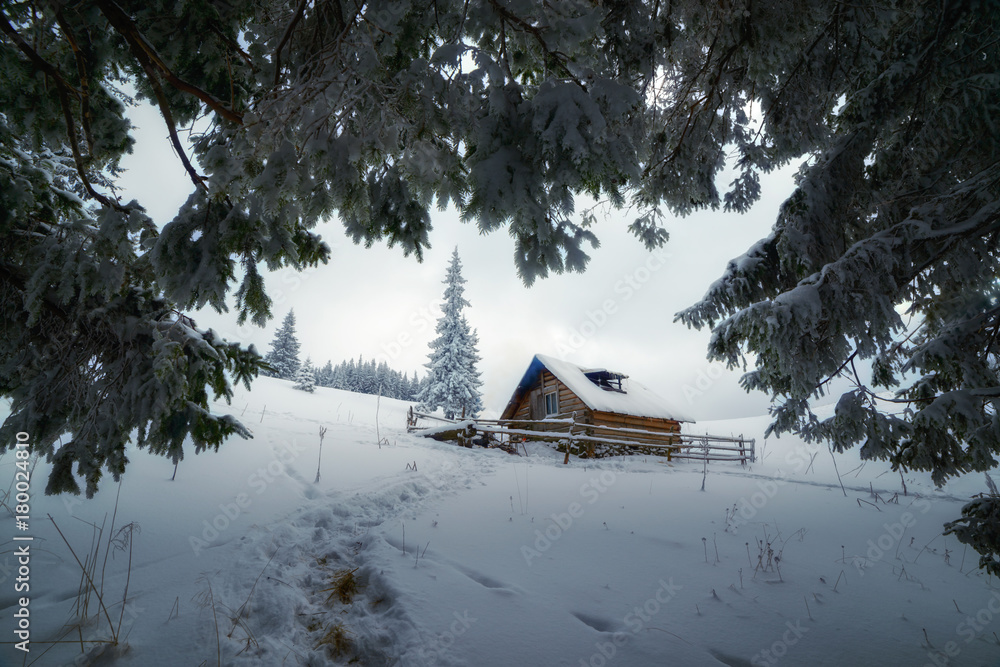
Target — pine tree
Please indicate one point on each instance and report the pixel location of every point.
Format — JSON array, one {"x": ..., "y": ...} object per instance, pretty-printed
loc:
[
  {"x": 324, "y": 377},
  {"x": 416, "y": 386},
  {"x": 339, "y": 376},
  {"x": 350, "y": 376},
  {"x": 453, "y": 381},
  {"x": 305, "y": 377},
  {"x": 284, "y": 354}
]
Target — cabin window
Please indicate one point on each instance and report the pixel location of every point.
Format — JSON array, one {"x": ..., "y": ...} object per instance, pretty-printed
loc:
[{"x": 551, "y": 404}]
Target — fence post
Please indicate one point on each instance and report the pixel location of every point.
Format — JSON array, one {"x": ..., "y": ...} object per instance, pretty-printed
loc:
[{"x": 569, "y": 441}]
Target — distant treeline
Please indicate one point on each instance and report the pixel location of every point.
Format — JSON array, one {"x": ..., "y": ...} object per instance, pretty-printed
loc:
[{"x": 365, "y": 377}]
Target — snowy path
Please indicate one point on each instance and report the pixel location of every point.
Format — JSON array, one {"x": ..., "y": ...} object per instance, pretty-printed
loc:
[{"x": 301, "y": 555}]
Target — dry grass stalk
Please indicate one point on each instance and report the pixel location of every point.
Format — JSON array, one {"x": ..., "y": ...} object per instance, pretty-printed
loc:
[{"x": 345, "y": 586}]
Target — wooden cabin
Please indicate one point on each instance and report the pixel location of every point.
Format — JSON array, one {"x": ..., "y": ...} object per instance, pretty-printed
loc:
[{"x": 555, "y": 390}]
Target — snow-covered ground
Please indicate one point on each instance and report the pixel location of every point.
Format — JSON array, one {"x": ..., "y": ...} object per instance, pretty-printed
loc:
[{"x": 477, "y": 557}]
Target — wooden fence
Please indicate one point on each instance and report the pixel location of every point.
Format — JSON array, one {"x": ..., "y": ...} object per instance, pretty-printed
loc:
[{"x": 582, "y": 439}]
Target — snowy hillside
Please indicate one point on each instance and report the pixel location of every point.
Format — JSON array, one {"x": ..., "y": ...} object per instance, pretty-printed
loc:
[{"x": 415, "y": 552}]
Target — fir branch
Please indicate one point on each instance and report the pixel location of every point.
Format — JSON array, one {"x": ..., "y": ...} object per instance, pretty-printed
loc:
[
  {"x": 33, "y": 55},
  {"x": 63, "y": 90},
  {"x": 284, "y": 39},
  {"x": 516, "y": 21},
  {"x": 81, "y": 66},
  {"x": 168, "y": 118},
  {"x": 147, "y": 55}
]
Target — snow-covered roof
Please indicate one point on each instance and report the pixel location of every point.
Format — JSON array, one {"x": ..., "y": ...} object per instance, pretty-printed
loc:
[{"x": 635, "y": 398}]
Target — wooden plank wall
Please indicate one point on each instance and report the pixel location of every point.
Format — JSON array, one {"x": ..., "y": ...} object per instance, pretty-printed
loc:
[{"x": 569, "y": 402}]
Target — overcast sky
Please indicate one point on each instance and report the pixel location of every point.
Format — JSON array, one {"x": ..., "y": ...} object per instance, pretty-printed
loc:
[{"x": 617, "y": 315}]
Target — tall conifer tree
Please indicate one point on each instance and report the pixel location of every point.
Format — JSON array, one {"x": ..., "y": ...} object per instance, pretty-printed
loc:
[
  {"x": 284, "y": 354},
  {"x": 453, "y": 380}
]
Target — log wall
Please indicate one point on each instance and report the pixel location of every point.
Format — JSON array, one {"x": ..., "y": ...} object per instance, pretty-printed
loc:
[
  {"x": 569, "y": 402},
  {"x": 615, "y": 420}
]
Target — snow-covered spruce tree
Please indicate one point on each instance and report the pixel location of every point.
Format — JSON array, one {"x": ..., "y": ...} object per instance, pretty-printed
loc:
[
  {"x": 350, "y": 377},
  {"x": 305, "y": 376},
  {"x": 284, "y": 355},
  {"x": 882, "y": 266},
  {"x": 405, "y": 389},
  {"x": 452, "y": 379},
  {"x": 324, "y": 376}
]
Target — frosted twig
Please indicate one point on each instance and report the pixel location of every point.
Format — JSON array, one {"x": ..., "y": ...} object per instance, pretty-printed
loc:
[
  {"x": 322, "y": 432},
  {"x": 868, "y": 503},
  {"x": 837, "y": 470}
]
